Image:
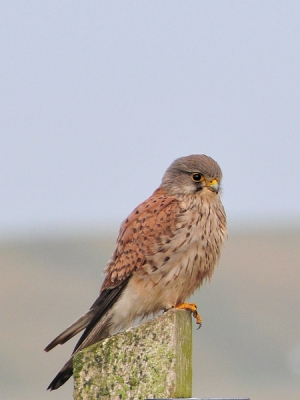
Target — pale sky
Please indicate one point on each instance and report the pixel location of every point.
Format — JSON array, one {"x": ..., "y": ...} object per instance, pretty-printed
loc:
[{"x": 99, "y": 97}]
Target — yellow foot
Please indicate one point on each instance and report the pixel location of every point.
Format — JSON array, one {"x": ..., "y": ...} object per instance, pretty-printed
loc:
[{"x": 193, "y": 308}]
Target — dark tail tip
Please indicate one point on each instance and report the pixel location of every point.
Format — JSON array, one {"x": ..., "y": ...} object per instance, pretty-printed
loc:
[
  {"x": 64, "y": 374},
  {"x": 54, "y": 343}
]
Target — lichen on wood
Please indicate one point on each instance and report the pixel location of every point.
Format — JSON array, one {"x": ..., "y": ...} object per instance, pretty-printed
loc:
[{"x": 151, "y": 360}]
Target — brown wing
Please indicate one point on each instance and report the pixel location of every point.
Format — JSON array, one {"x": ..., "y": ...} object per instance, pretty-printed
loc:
[
  {"x": 151, "y": 225},
  {"x": 139, "y": 236},
  {"x": 148, "y": 224},
  {"x": 138, "y": 233}
]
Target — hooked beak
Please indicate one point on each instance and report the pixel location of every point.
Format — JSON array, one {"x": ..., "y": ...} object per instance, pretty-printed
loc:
[{"x": 213, "y": 185}]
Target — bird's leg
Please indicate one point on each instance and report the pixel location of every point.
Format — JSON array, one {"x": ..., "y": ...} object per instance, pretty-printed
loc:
[{"x": 193, "y": 308}]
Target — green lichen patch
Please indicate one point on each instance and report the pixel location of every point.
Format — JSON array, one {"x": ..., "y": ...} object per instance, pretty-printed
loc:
[{"x": 151, "y": 360}]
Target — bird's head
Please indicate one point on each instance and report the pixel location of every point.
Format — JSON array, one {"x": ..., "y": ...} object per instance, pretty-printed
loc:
[{"x": 192, "y": 174}]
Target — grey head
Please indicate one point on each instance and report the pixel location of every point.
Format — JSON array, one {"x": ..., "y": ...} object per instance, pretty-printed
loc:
[{"x": 192, "y": 174}]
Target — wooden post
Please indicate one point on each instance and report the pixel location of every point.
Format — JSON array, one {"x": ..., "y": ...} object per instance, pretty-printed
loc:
[{"x": 152, "y": 360}]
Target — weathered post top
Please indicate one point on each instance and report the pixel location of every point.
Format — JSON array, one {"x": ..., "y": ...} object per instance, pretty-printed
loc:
[{"x": 152, "y": 360}]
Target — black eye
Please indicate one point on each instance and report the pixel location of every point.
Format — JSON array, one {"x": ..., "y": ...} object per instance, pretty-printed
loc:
[{"x": 196, "y": 177}]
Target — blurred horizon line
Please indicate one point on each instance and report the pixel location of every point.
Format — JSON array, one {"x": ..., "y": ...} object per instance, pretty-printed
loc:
[{"x": 105, "y": 228}]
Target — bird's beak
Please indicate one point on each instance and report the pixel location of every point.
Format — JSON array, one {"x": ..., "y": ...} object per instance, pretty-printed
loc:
[{"x": 213, "y": 185}]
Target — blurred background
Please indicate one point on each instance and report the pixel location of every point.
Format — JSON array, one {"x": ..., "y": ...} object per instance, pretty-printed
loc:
[{"x": 97, "y": 99}]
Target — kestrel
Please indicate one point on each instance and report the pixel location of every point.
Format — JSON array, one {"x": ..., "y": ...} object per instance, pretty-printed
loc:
[{"x": 166, "y": 248}]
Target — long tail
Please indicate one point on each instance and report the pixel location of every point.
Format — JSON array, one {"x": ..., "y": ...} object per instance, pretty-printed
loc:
[
  {"x": 95, "y": 332},
  {"x": 97, "y": 325},
  {"x": 77, "y": 326}
]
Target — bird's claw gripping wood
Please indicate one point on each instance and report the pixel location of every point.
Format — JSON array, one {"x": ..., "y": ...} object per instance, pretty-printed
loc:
[{"x": 193, "y": 308}]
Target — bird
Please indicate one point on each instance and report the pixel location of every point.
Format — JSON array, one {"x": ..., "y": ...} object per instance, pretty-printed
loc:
[{"x": 166, "y": 248}]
